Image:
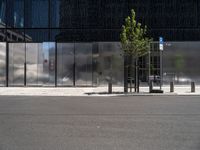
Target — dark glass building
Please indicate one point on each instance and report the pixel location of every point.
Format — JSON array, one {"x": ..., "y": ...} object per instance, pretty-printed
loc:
[
  {"x": 99, "y": 20},
  {"x": 76, "y": 42}
]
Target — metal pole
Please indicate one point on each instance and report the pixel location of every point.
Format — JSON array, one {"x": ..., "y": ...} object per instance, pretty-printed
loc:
[
  {"x": 149, "y": 63},
  {"x": 161, "y": 69},
  {"x": 56, "y": 63},
  {"x": 25, "y": 65},
  {"x": 74, "y": 67},
  {"x": 7, "y": 63}
]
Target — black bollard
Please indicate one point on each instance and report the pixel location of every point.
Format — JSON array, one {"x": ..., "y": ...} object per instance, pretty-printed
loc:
[
  {"x": 193, "y": 87},
  {"x": 171, "y": 87},
  {"x": 138, "y": 87},
  {"x": 110, "y": 87},
  {"x": 150, "y": 86}
]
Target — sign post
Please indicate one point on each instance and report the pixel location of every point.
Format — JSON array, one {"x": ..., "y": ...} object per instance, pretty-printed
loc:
[{"x": 161, "y": 47}]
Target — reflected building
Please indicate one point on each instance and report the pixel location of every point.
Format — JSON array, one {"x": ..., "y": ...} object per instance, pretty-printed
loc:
[{"x": 13, "y": 35}]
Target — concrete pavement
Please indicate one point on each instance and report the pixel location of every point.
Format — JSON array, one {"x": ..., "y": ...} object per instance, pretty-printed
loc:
[{"x": 85, "y": 91}]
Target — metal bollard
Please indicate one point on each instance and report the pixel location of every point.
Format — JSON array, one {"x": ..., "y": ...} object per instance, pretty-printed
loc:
[
  {"x": 110, "y": 87},
  {"x": 138, "y": 87},
  {"x": 171, "y": 87},
  {"x": 151, "y": 86},
  {"x": 193, "y": 87}
]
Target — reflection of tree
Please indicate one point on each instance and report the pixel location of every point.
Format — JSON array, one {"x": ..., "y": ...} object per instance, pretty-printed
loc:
[{"x": 179, "y": 64}]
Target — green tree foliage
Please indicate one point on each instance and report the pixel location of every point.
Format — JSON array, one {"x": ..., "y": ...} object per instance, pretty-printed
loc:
[{"x": 133, "y": 37}]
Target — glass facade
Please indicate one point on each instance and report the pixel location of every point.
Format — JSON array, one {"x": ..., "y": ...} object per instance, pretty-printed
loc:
[
  {"x": 180, "y": 62},
  {"x": 75, "y": 42},
  {"x": 60, "y": 64},
  {"x": 99, "y": 20},
  {"x": 93, "y": 64}
]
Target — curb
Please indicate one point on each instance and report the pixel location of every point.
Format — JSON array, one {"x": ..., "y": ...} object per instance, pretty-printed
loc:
[{"x": 140, "y": 94}]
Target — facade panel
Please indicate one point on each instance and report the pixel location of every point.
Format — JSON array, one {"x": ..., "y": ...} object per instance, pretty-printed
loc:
[
  {"x": 65, "y": 64},
  {"x": 181, "y": 62},
  {"x": 16, "y": 64}
]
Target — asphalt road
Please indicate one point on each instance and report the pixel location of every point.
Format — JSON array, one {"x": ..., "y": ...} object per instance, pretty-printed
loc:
[{"x": 100, "y": 123}]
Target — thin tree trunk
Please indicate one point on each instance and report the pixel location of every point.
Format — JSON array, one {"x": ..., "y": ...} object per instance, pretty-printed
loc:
[
  {"x": 135, "y": 77},
  {"x": 131, "y": 72},
  {"x": 125, "y": 75},
  {"x": 138, "y": 82}
]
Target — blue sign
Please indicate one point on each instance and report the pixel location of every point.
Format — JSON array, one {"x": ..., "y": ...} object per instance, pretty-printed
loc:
[
  {"x": 161, "y": 40},
  {"x": 161, "y": 43}
]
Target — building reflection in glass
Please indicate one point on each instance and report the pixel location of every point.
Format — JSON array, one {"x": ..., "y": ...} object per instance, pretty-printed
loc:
[
  {"x": 2, "y": 11},
  {"x": 2, "y": 64}
]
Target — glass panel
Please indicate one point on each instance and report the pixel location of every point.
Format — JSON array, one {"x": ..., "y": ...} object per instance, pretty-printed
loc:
[
  {"x": 63, "y": 35},
  {"x": 65, "y": 64},
  {"x": 36, "y": 13},
  {"x": 155, "y": 60},
  {"x": 83, "y": 60},
  {"x": 2, "y": 64},
  {"x": 15, "y": 13},
  {"x": 46, "y": 64},
  {"x": 54, "y": 35},
  {"x": 95, "y": 63},
  {"x": 181, "y": 62},
  {"x": 37, "y": 35},
  {"x": 16, "y": 35},
  {"x": 55, "y": 13},
  {"x": 2, "y": 35},
  {"x": 110, "y": 63},
  {"x": 2, "y": 13},
  {"x": 32, "y": 63},
  {"x": 16, "y": 64}
]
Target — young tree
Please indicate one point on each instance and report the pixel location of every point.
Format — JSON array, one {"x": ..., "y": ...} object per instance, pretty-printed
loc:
[{"x": 135, "y": 44}]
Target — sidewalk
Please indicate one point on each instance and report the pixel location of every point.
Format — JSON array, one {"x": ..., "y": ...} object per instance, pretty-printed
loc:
[{"x": 88, "y": 91}]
